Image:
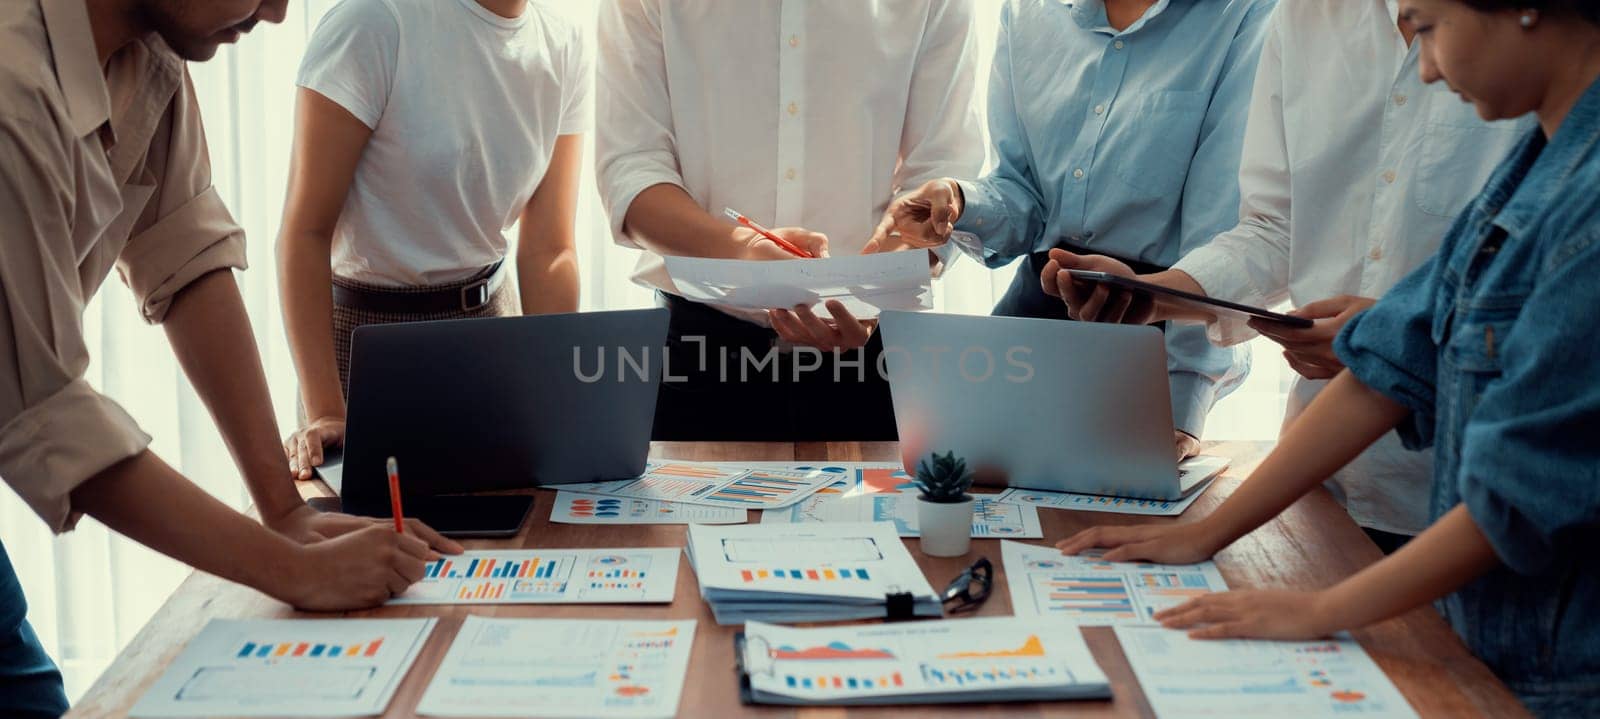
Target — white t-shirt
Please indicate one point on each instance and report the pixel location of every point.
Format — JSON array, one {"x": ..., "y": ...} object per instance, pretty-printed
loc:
[{"x": 465, "y": 108}]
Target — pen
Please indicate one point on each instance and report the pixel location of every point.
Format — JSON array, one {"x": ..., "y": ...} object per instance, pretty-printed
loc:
[
  {"x": 779, "y": 241},
  {"x": 394, "y": 496}
]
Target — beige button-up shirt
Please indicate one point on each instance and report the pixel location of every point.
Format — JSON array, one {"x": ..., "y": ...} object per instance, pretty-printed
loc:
[{"x": 97, "y": 169}]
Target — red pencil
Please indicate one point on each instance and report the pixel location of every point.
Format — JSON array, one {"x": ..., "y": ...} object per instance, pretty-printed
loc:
[
  {"x": 394, "y": 496},
  {"x": 779, "y": 241}
]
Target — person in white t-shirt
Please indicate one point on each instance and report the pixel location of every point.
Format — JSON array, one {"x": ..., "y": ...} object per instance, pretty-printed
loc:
[
  {"x": 424, "y": 130},
  {"x": 1353, "y": 169}
]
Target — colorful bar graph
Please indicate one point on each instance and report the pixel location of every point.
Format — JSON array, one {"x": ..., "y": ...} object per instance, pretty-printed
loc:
[
  {"x": 810, "y": 574},
  {"x": 984, "y": 674},
  {"x": 306, "y": 650},
  {"x": 1093, "y": 595},
  {"x": 884, "y": 681}
]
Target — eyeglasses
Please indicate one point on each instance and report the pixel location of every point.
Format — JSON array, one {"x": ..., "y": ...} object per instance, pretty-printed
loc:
[{"x": 972, "y": 588}]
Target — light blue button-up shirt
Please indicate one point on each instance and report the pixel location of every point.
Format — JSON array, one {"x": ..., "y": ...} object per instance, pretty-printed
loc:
[{"x": 1127, "y": 143}]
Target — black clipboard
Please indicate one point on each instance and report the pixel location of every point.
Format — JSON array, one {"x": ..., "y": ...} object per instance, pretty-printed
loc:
[{"x": 1209, "y": 305}]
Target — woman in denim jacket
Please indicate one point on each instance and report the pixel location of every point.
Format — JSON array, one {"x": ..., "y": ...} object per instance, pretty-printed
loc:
[{"x": 1487, "y": 353}]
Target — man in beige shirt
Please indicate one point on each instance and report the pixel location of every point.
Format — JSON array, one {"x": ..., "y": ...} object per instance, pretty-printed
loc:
[{"x": 103, "y": 163}]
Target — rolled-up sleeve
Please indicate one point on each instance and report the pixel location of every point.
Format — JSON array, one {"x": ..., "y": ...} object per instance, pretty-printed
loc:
[
  {"x": 186, "y": 231},
  {"x": 1004, "y": 211},
  {"x": 634, "y": 141},
  {"x": 55, "y": 431},
  {"x": 1390, "y": 348},
  {"x": 1530, "y": 470}
]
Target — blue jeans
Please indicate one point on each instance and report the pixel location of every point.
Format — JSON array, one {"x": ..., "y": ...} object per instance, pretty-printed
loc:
[{"x": 30, "y": 685}]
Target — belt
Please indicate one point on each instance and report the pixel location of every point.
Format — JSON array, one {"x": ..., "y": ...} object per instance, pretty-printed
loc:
[{"x": 448, "y": 299}]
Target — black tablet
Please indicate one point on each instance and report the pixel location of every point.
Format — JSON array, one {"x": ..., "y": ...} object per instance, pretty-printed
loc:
[{"x": 1193, "y": 301}]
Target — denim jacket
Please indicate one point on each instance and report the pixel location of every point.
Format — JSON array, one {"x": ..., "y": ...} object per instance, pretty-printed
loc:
[{"x": 1494, "y": 345}]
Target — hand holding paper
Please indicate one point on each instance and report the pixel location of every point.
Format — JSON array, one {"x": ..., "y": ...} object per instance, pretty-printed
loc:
[{"x": 864, "y": 284}]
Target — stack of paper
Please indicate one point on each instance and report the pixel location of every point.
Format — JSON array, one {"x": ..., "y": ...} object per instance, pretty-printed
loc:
[
  {"x": 711, "y": 485},
  {"x": 996, "y": 659},
  {"x": 806, "y": 573},
  {"x": 562, "y": 669},
  {"x": 866, "y": 284},
  {"x": 885, "y": 493},
  {"x": 1094, "y": 592},
  {"x": 277, "y": 668}
]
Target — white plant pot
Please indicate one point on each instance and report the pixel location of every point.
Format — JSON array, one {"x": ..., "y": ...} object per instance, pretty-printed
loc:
[{"x": 946, "y": 528}]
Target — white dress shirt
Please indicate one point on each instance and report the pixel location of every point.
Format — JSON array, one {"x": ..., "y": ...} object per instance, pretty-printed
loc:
[
  {"x": 1374, "y": 166},
  {"x": 798, "y": 113}
]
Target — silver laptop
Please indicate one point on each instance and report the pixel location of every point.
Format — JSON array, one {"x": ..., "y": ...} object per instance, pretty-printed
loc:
[{"x": 1038, "y": 404}]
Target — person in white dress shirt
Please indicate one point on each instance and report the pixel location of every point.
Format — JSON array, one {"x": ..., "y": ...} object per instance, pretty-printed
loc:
[
  {"x": 808, "y": 116},
  {"x": 1353, "y": 169}
]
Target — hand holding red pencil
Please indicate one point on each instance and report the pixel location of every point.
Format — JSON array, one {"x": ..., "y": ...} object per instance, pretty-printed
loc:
[{"x": 783, "y": 243}]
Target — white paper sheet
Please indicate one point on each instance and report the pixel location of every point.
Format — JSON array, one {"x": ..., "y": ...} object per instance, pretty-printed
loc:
[
  {"x": 287, "y": 668},
  {"x": 711, "y": 485},
  {"x": 866, "y": 284},
  {"x": 1093, "y": 592},
  {"x": 973, "y": 659},
  {"x": 562, "y": 669},
  {"x": 864, "y": 561},
  {"x": 1206, "y": 466},
  {"x": 575, "y": 508},
  {"x": 549, "y": 576},
  {"x": 1187, "y": 678},
  {"x": 885, "y": 493}
]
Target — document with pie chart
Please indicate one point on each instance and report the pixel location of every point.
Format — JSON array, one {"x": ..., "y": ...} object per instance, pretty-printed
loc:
[
  {"x": 562, "y": 669},
  {"x": 548, "y": 576}
]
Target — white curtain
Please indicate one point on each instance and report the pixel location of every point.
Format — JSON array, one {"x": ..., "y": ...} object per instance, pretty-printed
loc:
[{"x": 90, "y": 591}]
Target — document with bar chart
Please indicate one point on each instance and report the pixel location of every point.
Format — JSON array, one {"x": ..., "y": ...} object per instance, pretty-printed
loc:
[
  {"x": 574, "y": 508},
  {"x": 562, "y": 669},
  {"x": 805, "y": 572},
  {"x": 548, "y": 576},
  {"x": 1187, "y": 678},
  {"x": 993, "y": 659},
  {"x": 707, "y": 484},
  {"x": 287, "y": 668},
  {"x": 885, "y": 493},
  {"x": 1093, "y": 591}
]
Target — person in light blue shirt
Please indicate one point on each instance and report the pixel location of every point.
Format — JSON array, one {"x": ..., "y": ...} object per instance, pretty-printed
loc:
[{"x": 1117, "y": 128}]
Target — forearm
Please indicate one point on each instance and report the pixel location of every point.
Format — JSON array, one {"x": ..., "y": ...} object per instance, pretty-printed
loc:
[
  {"x": 1445, "y": 557},
  {"x": 210, "y": 334},
  {"x": 306, "y": 286},
  {"x": 666, "y": 220},
  {"x": 547, "y": 282},
  {"x": 147, "y": 501},
  {"x": 1182, "y": 282},
  {"x": 1344, "y": 419}
]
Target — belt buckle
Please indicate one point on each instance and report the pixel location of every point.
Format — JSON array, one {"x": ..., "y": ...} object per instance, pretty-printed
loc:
[{"x": 475, "y": 296}]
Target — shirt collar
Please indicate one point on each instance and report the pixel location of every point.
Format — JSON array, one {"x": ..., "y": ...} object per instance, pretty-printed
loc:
[
  {"x": 1541, "y": 168},
  {"x": 1091, "y": 15},
  {"x": 77, "y": 64}
]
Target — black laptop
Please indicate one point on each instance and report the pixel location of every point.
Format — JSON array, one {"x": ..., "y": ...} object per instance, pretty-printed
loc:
[{"x": 486, "y": 405}]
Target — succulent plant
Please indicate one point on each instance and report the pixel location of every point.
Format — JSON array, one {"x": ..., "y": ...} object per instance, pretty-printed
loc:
[{"x": 946, "y": 480}]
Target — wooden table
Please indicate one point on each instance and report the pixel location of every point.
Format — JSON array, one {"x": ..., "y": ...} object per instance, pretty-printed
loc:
[{"x": 1312, "y": 545}]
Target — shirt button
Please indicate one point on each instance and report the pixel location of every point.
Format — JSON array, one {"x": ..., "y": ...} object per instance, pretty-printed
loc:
[
  {"x": 1078, "y": 173},
  {"x": 794, "y": 108},
  {"x": 1376, "y": 254},
  {"x": 794, "y": 41},
  {"x": 791, "y": 174},
  {"x": 1400, "y": 100},
  {"x": 1117, "y": 44},
  {"x": 1389, "y": 177},
  {"x": 1099, "y": 109}
]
